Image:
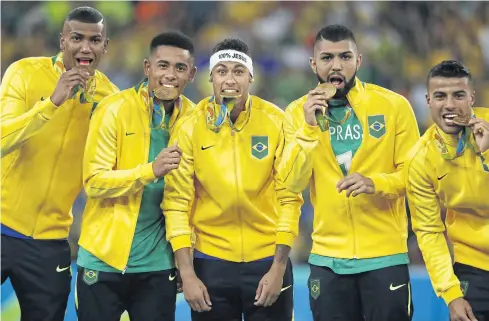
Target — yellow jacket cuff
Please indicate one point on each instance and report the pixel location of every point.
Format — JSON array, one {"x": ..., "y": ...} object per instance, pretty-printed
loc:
[
  {"x": 381, "y": 184},
  {"x": 310, "y": 132},
  {"x": 47, "y": 109},
  {"x": 147, "y": 174},
  {"x": 180, "y": 242},
  {"x": 285, "y": 238},
  {"x": 452, "y": 293}
]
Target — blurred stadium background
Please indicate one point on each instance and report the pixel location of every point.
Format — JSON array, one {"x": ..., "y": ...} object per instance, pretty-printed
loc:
[{"x": 400, "y": 41}]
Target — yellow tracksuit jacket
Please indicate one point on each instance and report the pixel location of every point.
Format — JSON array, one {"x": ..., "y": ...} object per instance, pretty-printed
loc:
[
  {"x": 42, "y": 148},
  {"x": 231, "y": 179},
  {"x": 365, "y": 226},
  {"x": 115, "y": 170},
  {"x": 462, "y": 187}
]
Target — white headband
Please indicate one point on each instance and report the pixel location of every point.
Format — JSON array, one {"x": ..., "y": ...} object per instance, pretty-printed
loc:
[{"x": 231, "y": 55}]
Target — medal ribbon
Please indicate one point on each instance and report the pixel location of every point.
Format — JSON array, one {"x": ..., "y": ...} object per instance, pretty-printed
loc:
[
  {"x": 217, "y": 114},
  {"x": 158, "y": 113}
]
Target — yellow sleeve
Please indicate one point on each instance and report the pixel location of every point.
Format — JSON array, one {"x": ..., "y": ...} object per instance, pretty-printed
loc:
[
  {"x": 429, "y": 228},
  {"x": 179, "y": 189},
  {"x": 18, "y": 122},
  {"x": 407, "y": 134},
  {"x": 100, "y": 179},
  {"x": 290, "y": 204},
  {"x": 295, "y": 169}
]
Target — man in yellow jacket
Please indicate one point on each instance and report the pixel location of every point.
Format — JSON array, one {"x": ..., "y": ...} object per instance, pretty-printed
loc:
[
  {"x": 450, "y": 167},
  {"x": 353, "y": 165},
  {"x": 226, "y": 188},
  {"x": 46, "y": 104},
  {"x": 125, "y": 262}
]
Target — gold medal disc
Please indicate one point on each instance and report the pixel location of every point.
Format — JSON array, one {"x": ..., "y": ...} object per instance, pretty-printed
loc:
[{"x": 166, "y": 93}]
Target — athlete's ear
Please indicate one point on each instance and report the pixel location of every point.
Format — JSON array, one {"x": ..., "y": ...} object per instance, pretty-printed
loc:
[
  {"x": 312, "y": 63},
  {"x": 146, "y": 66},
  {"x": 359, "y": 61}
]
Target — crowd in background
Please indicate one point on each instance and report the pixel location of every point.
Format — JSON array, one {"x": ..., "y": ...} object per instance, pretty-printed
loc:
[{"x": 400, "y": 41}]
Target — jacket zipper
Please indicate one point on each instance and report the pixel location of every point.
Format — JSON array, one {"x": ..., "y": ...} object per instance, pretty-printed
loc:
[
  {"x": 350, "y": 214},
  {"x": 134, "y": 230},
  {"x": 132, "y": 240},
  {"x": 233, "y": 135},
  {"x": 51, "y": 180}
]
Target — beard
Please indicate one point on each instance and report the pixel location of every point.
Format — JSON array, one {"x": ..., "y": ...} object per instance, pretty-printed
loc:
[{"x": 341, "y": 92}]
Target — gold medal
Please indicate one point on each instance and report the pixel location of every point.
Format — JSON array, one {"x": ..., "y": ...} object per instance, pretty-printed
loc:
[
  {"x": 230, "y": 95},
  {"x": 166, "y": 93},
  {"x": 329, "y": 91},
  {"x": 462, "y": 120}
]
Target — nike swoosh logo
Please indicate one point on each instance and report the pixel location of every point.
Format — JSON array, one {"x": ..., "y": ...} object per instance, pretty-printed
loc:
[
  {"x": 129, "y": 134},
  {"x": 439, "y": 178},
  {"x": 171, "y": 278},
  {"x": 58, "y": 269},
  {"x": 283, "y": 289},
  {"x": 393, "y": 288},
  {"x": 207, "y": 147}
]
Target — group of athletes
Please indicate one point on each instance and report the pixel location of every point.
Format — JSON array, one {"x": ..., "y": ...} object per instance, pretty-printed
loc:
[{"x": 206, "y": 198}]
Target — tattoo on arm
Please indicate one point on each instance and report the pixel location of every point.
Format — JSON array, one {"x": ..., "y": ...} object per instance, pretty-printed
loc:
[{"x": 281, "y": 254}]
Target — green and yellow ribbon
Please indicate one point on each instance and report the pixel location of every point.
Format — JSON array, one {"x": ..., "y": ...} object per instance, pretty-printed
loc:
[
  {"x": 157, "y": 112},
  {"x": 218, "y": 114}
]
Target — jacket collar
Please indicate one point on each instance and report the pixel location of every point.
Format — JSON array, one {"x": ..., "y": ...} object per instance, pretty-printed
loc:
[{"x": 355, "y": 94}]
